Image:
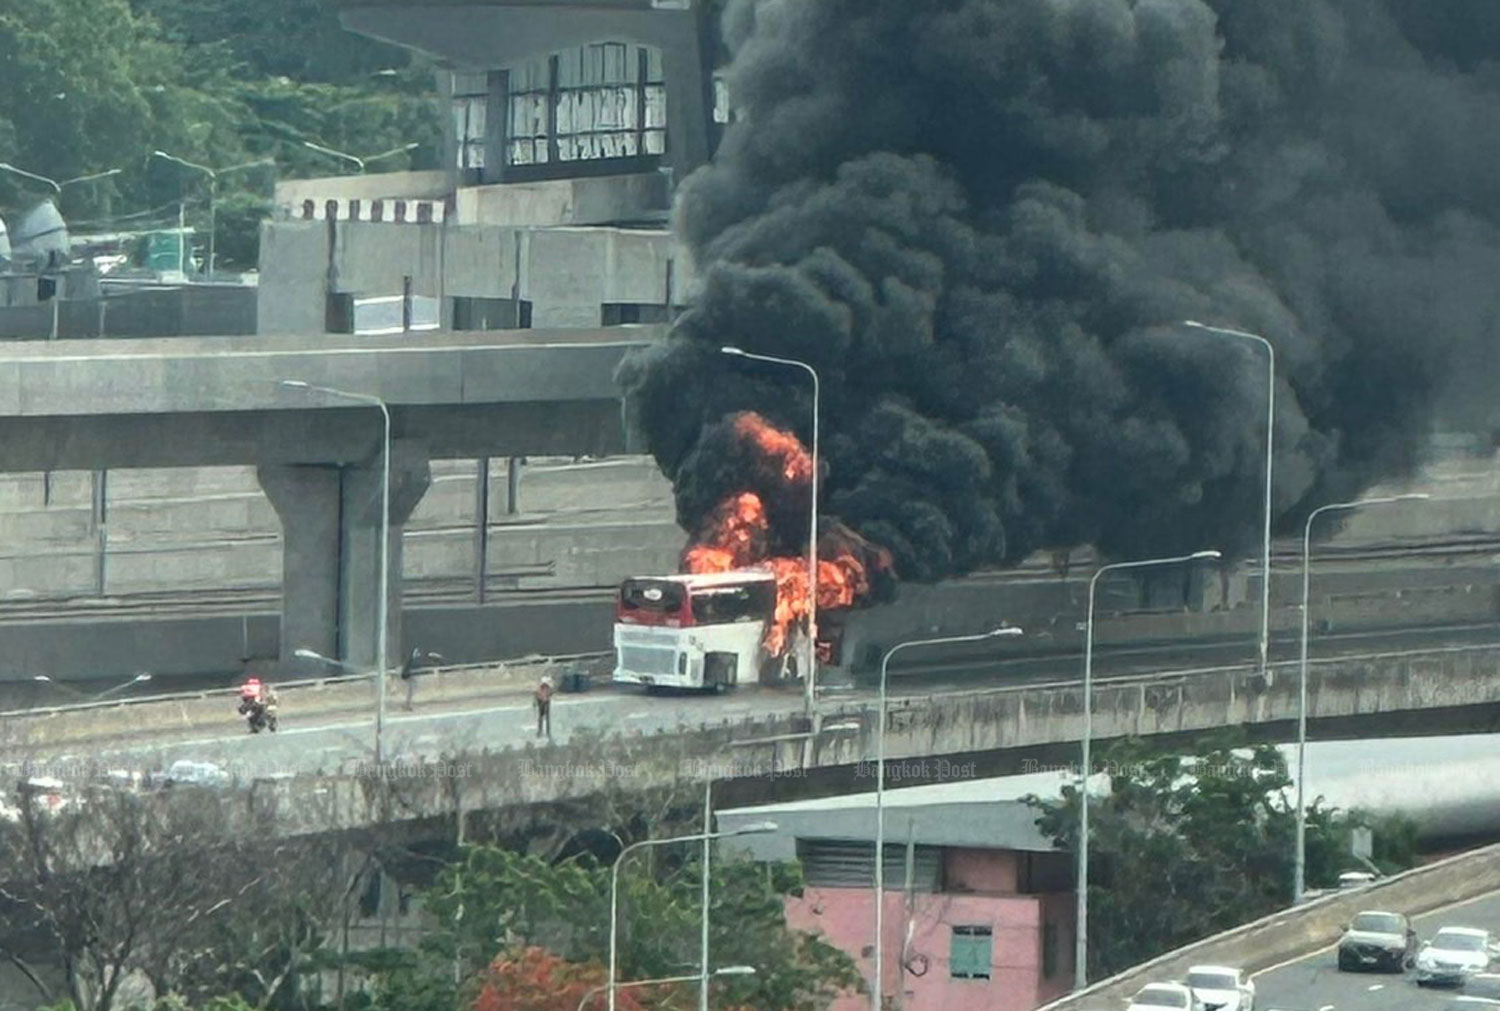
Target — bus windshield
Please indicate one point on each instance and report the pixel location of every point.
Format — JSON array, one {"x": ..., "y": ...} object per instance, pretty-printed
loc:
[
  {"x": 723, "y": 605},
  {"x": 651, "y": 597}
]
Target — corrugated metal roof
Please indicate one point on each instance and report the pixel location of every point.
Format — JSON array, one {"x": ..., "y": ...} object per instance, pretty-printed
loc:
[{"x": 1001, "y": 825}]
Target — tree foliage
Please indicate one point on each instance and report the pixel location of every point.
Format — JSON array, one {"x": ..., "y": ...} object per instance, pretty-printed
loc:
[
  {"x": 93, "y": 85},
  {"x": 533, "y": 911},
  {"x": 1183, "y": 847}
]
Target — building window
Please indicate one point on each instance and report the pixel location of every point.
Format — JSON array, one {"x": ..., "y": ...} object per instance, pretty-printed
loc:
[
  {"x": 970, "y": 955},
  {"x": 470, "y": 95},
  {"x": 1049, "y": 950},
  {"x": 605, "y": 100}
]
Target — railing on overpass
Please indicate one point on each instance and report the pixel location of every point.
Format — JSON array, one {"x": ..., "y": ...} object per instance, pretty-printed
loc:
[
  {"x": 1303, "y": 930},
  {"x": 315, "y": 683}
]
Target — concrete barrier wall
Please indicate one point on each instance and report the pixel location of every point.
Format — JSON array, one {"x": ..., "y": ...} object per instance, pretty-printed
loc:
[{"x": 1295, "y": 932}]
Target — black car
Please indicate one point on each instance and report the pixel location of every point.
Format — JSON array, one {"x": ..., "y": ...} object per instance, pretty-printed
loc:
[{"x": 1378, "y": 940}]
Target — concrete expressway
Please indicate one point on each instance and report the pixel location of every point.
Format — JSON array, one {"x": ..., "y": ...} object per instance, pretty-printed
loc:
[
  {"x": 331, "y": 743},
  {"x": 1313, "y": 983}
]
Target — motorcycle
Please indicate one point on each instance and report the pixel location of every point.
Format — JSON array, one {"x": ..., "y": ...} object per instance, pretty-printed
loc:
[{"x": 258, "y": 715}]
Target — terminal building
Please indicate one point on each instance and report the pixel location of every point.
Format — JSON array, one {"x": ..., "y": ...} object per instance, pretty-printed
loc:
[{"x": 568, "y": 125}]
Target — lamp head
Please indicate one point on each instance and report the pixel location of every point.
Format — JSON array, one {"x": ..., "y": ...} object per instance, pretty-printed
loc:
[
  {"x": 1005, "y": 631},
  {"x": 735, "y": 970},
  {"x": 40, "y": 677},
  {"x": 143, "y": 676},
  {"x": 1416, "y": 496},
  {"x": 295, "y": 384},
  {"x": 1205, "y": 554},
  {"x": 307, "y": 654},
  {"x": 730, "y": 349}
]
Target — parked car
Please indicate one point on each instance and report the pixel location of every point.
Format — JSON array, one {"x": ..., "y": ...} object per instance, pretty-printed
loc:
[
  {"x": 1378, "y": 940},
  {"x": 1455, "y": 954},
  {"x": 1355, "y": 879},
  {"x": 1157, "y": 996},
  {"x": 1222, "y": 988}
]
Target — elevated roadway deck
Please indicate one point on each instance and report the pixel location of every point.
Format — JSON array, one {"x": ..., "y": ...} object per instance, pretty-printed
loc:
[{"x": 89, "y": 405}]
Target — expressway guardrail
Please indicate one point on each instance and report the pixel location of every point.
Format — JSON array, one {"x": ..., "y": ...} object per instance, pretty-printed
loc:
[
  {"x": 1303, "y": 930},
  {"x": 83, "y": 722}
]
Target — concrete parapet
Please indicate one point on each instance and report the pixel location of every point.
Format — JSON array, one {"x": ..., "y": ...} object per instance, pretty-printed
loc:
[
  {"x": 44, "y": 731},
  {"x": 1294, "y": 932}
]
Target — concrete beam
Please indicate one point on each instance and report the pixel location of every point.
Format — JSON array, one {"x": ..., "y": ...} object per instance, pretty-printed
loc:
[{"x": 309, "y": 435}]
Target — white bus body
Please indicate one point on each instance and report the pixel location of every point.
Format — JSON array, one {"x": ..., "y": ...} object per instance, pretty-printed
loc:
[{"x": 703, "y": 632}]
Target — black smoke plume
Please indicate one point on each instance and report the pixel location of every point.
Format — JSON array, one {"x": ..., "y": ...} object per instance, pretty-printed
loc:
[{"x": 982, "y": 221}]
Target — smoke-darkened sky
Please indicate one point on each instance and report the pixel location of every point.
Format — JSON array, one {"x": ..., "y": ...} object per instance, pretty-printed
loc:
[{"x": 981, "y": 221}]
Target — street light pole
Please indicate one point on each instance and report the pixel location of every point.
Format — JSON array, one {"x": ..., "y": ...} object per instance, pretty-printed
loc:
[
  {"x": 359, "y": 162},
  {"x": 213, "y": 192},
  {"x": 1265, "y": 550},
  {"x": 614, "y": 888},
  {"x": 57, "y": 187},
  {"x": 876, "y": 990},
  {"x": 812, "y": 530},
  {"x": 1080, "y": 927},
  {"x": 385, "y": 545},
  {"x": 728, "y": 970},
  {"x": 1299, "y": 878}
]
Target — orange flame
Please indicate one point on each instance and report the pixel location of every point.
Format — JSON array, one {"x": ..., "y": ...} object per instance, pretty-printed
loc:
[{"x": 737, "y": 536}]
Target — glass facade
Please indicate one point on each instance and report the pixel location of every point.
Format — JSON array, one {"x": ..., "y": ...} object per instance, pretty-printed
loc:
[{"x": 600, "y": 101}]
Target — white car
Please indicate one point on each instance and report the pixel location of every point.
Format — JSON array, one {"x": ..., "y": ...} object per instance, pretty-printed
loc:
[
  {"x": 1159, "y": 996},
  {"x": 1221, "y": 988},
  {"x": 1455, "y": 954}
]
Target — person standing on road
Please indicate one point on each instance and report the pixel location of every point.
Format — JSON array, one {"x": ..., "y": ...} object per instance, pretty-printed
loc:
[{"x": 544, "y": 707}]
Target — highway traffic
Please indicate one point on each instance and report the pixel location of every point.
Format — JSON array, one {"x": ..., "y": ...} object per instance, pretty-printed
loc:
[{"x": 1314, "y": 983}]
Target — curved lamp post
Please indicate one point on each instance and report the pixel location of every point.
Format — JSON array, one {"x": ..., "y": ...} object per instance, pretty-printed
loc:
[
  {"x": 876, "y": 990},
  {"x": 1080, "y": 927},
  {"x": 1265, "y": 550},
  {"x": 611, "y": 986},
  {"x": 385, "y": 542},
  {"x": 359, "y": 162},
  {"x": 812, "y": 530},
  {"x": 728, "y": 970},
  {"x": 213, "y": 192},
  {"x": 1299, "y": 880}
]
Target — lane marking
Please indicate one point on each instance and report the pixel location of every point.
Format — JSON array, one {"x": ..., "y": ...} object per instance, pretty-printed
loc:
[
  {"x": 1487, "y": 896},
  {"x": 1375, "y": 986},
  {"x": 1326, "y": 1007}
]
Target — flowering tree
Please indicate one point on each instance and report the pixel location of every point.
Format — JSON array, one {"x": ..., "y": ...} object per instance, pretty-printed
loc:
[{"x": 535, "y": 979}]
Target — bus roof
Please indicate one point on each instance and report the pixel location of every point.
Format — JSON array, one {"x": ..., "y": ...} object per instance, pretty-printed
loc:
[{"x": 711, "y": 579}]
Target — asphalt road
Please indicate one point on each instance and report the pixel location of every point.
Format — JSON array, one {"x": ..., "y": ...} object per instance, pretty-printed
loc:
[
  {"x": 1314, "y": 983},
  {"x": 310, "y": 744}
]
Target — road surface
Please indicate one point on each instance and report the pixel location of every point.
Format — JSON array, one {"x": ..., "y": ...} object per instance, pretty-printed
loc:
[
  {"x": 310, "y": 743},
  {"x": 1314, "y": 983}
]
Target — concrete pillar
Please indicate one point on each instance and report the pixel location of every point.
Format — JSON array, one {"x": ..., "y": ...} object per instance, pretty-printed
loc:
[
  {"x": 359, "y": 589},
  {"x": 330, "y": 522},
  {"x": 307, "y": 499}
]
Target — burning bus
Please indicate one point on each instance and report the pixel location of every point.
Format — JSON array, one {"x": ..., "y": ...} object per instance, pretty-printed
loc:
[{"x": 707, "y": 631}]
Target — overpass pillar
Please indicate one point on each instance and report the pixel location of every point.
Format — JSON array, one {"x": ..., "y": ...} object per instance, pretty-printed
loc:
[{"x": 330, "y": 522}]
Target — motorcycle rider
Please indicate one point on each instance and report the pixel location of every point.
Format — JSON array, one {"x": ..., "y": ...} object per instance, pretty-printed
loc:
[{"x": 258, "y": 703}]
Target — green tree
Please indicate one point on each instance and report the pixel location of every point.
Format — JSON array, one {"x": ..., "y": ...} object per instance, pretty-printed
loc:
[
  {"x": 495, "y": 900},
  {"x": 1185, "y": 846}
]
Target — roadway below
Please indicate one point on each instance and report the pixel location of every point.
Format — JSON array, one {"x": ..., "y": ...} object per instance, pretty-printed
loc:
[
  {"x": 309, "y": 742},
  {"x": 1314, "y": 983}
]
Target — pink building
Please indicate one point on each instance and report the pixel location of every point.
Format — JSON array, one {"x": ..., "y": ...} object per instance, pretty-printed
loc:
[{"x": 978, "y": 904}]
